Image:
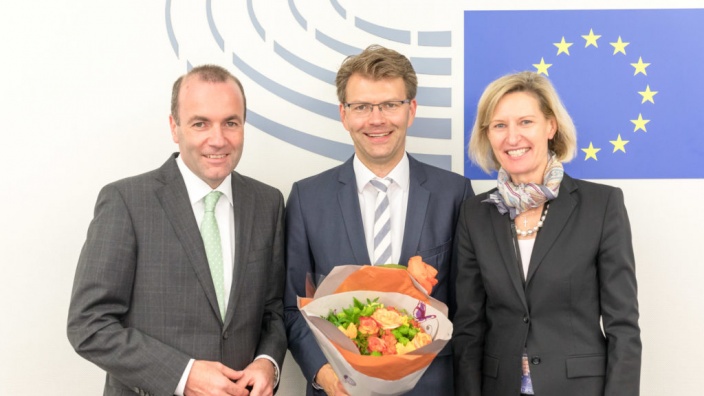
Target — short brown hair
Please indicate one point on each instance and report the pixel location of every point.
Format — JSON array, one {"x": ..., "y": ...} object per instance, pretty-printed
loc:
[
  {"x": 564, "y": 143},
  {"x": 207, "y": 73},
  {"x": 377, "y": 62}
]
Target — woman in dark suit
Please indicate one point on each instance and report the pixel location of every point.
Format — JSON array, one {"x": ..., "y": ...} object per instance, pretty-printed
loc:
[{"x": 544, "y": 261}]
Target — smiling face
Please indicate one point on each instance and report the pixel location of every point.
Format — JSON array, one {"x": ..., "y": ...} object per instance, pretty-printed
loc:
[
  {"x": 210, "y": 134},
  {"x": 379, "y": 138},
  {"x": 519, "y": 134}
]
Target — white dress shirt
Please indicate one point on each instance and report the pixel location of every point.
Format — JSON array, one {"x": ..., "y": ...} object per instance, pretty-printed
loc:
[
  {"x": 526, "y": 248},
  {"x": 398, "y": 203},
  {"x": 225, "y": 216}
]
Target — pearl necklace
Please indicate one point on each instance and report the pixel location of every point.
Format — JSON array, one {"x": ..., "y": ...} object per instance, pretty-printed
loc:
[{"x": 531, "y": 231}]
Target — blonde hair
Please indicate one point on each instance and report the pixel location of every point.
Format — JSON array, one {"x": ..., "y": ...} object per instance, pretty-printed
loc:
[
  {"x": 564, "y": 143},
  {"x": 377, "y": 62}
]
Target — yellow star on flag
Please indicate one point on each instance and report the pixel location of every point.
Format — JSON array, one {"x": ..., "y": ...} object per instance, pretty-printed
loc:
[
  {"x": 640, "y": 123},
  {"x": 591, "y": 39},
  {"x": 619, "y": 46},
  {"x": 648, "y": 95},
  {"x": 619, "y": 144},
  {"x": 562, "y": 46},
  {"x": 591, "y": 152},
  {"x": 640, "y": 66},
  {"x": 542, "y": 67}
]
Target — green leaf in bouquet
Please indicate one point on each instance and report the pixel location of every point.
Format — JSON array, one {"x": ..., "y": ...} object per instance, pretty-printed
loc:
[
  {"x": 332, "y": 317},
  {"x": 403, "y": 330},
  {"x": 362, "y": 344},
  {"x": 368, "y": 310},
  {"x": 397, "y": 266}
]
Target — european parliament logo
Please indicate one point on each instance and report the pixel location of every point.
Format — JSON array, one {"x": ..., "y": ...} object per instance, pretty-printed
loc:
[
  {"x": 288, "y": 54},
  {"x": 632, "y": 80}
]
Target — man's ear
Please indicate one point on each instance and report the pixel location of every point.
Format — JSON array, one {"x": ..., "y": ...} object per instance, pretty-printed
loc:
[{"x": 174, "y": 126}]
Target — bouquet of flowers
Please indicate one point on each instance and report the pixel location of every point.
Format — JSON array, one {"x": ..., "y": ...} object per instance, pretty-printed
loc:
[
  {"x": 391, "y": 348},
  {"x": 378, "y": 330}
]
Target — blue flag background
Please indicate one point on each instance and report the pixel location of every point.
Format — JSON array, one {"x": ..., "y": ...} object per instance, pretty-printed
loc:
[{"x": 647, "y": 87}]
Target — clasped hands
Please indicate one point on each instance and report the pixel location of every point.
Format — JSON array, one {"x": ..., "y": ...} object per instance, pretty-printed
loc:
[{"x": 215, "y": 379}]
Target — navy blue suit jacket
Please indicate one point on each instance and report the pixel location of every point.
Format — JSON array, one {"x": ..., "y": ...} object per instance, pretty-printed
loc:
[{"x": 324, "y": 229}]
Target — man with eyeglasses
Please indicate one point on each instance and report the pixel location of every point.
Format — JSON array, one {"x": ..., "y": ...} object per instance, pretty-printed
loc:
[{"x": 380, "y": 206}]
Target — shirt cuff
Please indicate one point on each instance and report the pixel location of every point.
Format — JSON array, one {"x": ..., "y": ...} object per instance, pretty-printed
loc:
[
  {"x": 276, "y": 367},
  {"x": 181, "y": 387}
]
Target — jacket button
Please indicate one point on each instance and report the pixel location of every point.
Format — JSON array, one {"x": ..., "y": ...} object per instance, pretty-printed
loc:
[
  {"x": 226, "y": 335},
  {"x": 526, "y": 319},
  {"x": 535, "y": 360}
]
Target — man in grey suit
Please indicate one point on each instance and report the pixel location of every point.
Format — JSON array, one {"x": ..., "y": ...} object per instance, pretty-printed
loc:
[
  {"x": 330, "y": 217},
  {"x": 162, "y": 309}
]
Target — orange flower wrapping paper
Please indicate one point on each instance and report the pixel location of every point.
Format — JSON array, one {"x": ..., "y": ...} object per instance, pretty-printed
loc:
[
  {"x": 376, "y": 375},
  {"x": 422, "y": 273}
]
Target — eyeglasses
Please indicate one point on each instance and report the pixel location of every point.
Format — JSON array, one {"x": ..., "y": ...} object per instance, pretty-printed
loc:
[{"x": 365, "y": 109}]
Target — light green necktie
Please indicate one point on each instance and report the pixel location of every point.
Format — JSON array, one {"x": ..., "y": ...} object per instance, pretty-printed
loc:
[{"x": 213, "y": 249}]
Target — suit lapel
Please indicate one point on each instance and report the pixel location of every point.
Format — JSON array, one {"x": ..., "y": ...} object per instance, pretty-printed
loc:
[
  {"x": 351, "y": 213},
  {"x": 504, "y": 239},
  {"x": 244, "y": 208},
  {"x": 173, "y": 197},
  {"x": 558, "y": 213},
  {"x": 418, "y": 198}
]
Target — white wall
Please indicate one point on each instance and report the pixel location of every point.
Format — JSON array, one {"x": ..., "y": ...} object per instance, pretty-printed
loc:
[{"x": 84, "y": 100}]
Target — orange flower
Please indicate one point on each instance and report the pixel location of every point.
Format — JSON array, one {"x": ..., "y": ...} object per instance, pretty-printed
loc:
[
  {"x": 422, "y": 273},
  {"x": 389, "y": 319},
  {"x": 390, "y": 342},
  {"x": 367, "y": 325},
  {"x": 376, "y": 344},
  {"x": 386, "y": 344}
]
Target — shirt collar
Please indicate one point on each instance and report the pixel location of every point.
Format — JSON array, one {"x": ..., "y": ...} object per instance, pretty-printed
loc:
[
  {"x": 400, "y": 174},
  {"x": 197, "y": 188}
]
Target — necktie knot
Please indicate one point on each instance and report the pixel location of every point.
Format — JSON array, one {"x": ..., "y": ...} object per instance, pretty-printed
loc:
[
  {"x": 381, "y": 184},
  {"x": 211, "y": 200}
]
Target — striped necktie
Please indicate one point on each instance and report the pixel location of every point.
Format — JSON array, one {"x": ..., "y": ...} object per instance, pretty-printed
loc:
[{"x": 382, "y": 222}]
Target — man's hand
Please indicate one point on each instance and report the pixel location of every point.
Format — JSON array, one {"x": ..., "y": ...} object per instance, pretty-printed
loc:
[
  {"x": 327, "y": 378},
  {"x": 213, "y": 379},
  {"x": 259, "y": 377}
]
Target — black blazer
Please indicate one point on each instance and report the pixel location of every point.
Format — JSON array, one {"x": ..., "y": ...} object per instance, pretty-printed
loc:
[{"x": 581, "y": 271}]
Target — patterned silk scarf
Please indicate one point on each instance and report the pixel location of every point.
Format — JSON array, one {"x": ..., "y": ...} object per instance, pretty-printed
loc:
[{"x": 516, "y": 199}]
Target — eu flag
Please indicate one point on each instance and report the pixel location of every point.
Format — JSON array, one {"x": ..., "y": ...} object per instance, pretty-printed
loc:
[{"x": 632, "y": 80}]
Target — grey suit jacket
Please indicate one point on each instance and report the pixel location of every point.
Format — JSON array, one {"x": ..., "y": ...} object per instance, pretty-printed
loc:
[
  {"x": 581, "y": 271},
  {"x": 143, "y": 300},
  {"x": 324, "y": 229}
]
